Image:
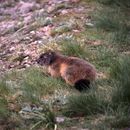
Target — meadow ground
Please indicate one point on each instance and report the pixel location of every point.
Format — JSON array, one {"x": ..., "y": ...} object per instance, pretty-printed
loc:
[{"x": 32, "y": 100}]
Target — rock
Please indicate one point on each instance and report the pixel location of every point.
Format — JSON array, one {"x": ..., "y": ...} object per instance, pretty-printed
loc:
[
  {"x": 51, "y": 8},
  {"x": 28, "y": 111},
  {"x": 64, "y": 11},
  {"x": 8, "y": 26},
  {"x": 33, "y": 32},
  {"x": 12, "y": 49},
  {"x": 60, "y": 119},
  {"x": 89, "y": 25},
  {"x": 39, "y": 42},
  {"x": 75, "y": 1},
  {"x": 26, "y": 7},
  {"x": 45, "y": 31},
  {"x": 28, "y": 19}
]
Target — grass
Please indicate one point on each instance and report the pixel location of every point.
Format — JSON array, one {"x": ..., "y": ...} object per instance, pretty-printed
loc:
[
  {"x": 120, "y": 72},
  {"x": 73, "y": 48},
  {"x": 104, "y": 56},
  {"x": 61, "y": 29},
  {"x": 114, "y": 19},
  {"x": 112, "y": 105},
  {"x": 34, "y": 85},
  {"x": 45, "y": 118},
  {"x": 108, "y": 20},
  {"x": 4, "y": 91},
  {"x": 4, "y": 112},
  {"x": 122, "y": 3},
  {"x": 106, "y": 105},
  {"x": 37, "y": 84},
  {"x": 86, "y": 104}
]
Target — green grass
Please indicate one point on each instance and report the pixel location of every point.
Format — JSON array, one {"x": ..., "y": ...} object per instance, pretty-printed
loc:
[
  {"x": 34, "y": 84},
  {"x": 120, "y": 72},
  {"x": 106, "y": 105},
  {"x": 44, "y": 119},
  {"x": 121, "y": 3},
  {"x": 4, "y": 91},
  {"x": 90, "y": 103},
  {"x": 73, "y": 48},
  {"x": 121, "y": 37},
  {"x": 104, "y": 56},
  {"x": 121, "y": 117},
  {"x": 108, "y": 20},
  {"x": 37, "y": 84},
  {"x": 113, "y": 18},
  {"x": 4, "y": 112},
  {"x": 61, "y": 29},
  {"x": 110, "y": 99}
]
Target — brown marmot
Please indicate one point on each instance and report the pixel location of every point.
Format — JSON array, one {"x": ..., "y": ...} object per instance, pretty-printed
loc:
[{"x": 75, "y": 71}]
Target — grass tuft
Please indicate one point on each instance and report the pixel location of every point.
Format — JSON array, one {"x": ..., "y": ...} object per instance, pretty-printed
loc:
[
  {"x": 36, "y": 84},
  {"x": 73, "y": 48},
  {"x": 109, "y": 20},
  {"x": 4, "y": 112},
  {"x": 114, "y": 19},
  {"x": 45, "y": 118},
  {"x": 120, "y": 72},
  {"x": 90, "y": 103}
]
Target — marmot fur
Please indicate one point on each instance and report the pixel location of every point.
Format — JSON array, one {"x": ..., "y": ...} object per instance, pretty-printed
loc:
[{"x": 75, "y": 71}]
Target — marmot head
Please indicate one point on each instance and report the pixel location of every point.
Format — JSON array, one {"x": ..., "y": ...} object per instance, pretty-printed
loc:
[{"x": 46, "y": 58}]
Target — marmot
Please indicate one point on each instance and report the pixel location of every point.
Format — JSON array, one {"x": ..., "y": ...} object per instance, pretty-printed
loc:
[{"x": 75, "y": 71}]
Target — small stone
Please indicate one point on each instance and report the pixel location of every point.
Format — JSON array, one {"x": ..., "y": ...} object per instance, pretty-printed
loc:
[
  {"x": 12, "y": 49},
  {"x": 89, "y": 24},
  {"x": 26, "y": 7},
  {"x": 97, "y": 42},
  {"x": 76, "y": 31},
  {"x": 27, "y": 65},
  {"x": 39, "y": 42},
  {"x": 60, "y": 119},
  {"x": 32, "y": 32},
  {"x": 51, "y": 9},
  {"x": 27, "y": 112},
  {"x": 64, "y": 12}
]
